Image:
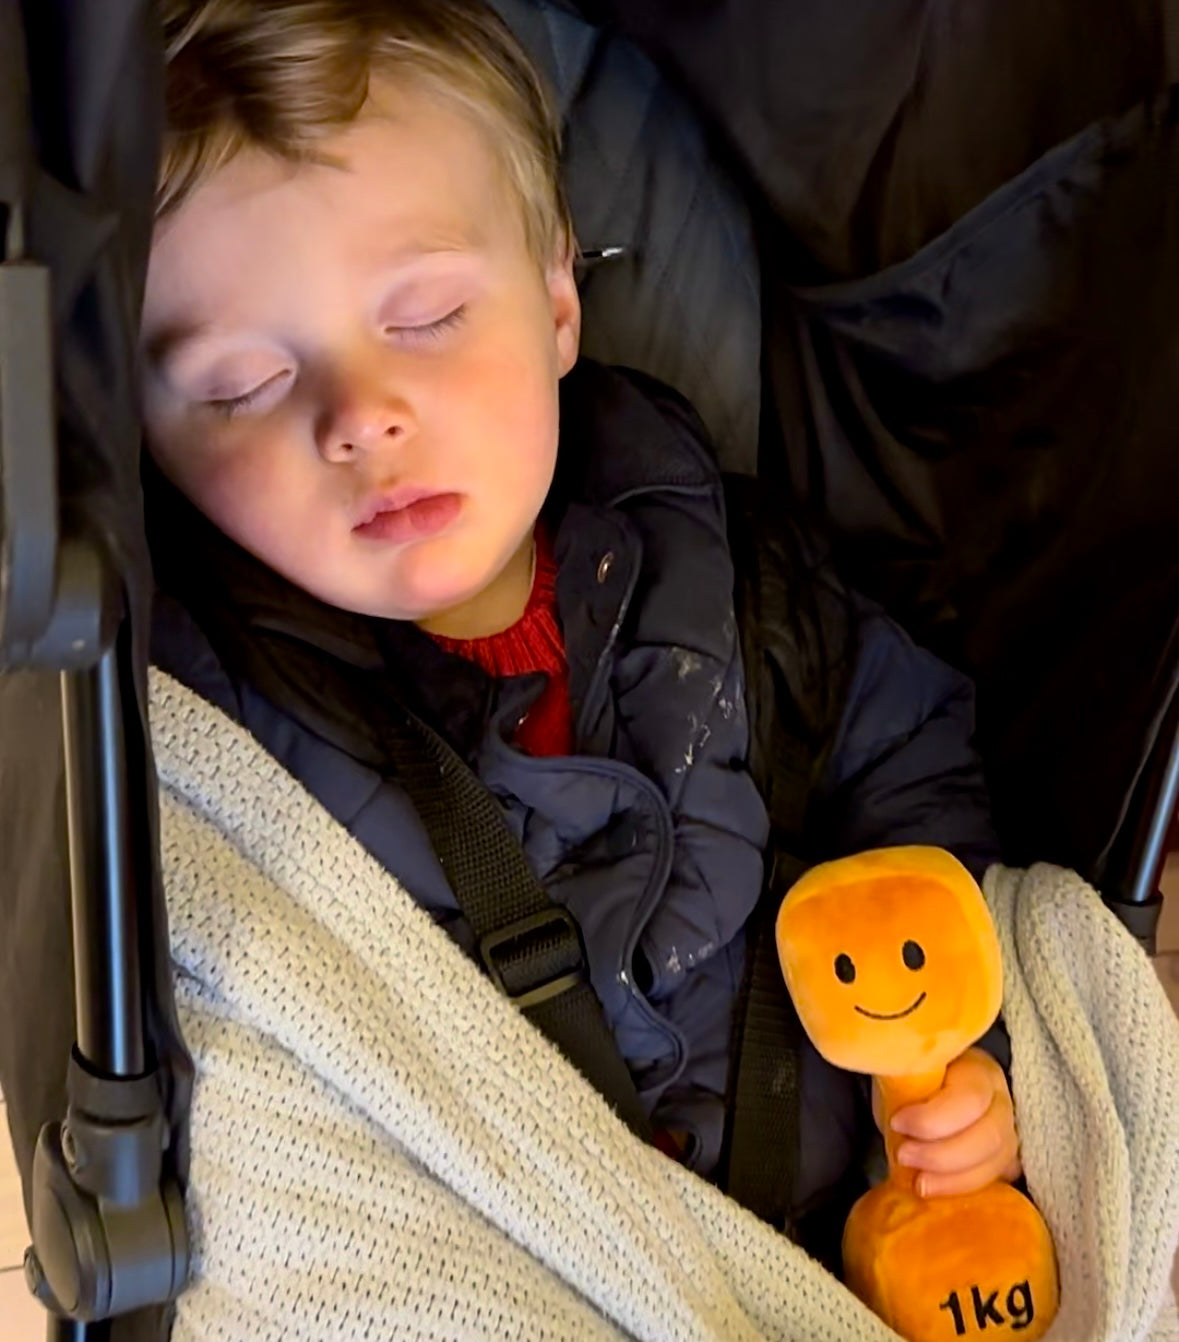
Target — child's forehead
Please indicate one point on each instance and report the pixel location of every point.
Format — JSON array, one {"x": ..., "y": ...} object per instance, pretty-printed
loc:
[
  {"x": 416, "y": 163},
  {"x": 409, "y": 181}
]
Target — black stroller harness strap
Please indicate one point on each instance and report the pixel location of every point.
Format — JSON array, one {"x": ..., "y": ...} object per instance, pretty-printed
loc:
[
  {"x": 530, "y": 946},
  {"x": 762, "y": 1138},
  {"x": 760, "y": 1158}
]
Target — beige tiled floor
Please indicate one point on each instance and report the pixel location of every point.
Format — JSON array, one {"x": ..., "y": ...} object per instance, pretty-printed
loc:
[{"x": 22, "y": 1320}]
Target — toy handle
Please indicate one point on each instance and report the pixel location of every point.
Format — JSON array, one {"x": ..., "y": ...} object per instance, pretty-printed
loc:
[{"x": 898, "y": 1092}]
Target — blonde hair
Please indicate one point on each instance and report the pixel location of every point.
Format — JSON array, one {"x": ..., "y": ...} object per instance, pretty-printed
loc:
[{"x": 280, "y": 75}]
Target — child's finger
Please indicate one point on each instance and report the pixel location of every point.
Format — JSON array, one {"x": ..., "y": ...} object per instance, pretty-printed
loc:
[
  {"x": 963, "y": 1100},
  {"x": 981, "y": 1143},
  {"x": 930, "y": 1185}
]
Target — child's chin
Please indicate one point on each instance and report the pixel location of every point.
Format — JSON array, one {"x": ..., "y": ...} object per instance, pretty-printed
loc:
[
  {"x": 423, "y": 585},
  {"x": 419, "y": 607}
]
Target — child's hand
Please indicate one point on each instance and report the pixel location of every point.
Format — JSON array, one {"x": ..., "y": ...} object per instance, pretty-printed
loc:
[{"x": 964, "y": 1136}]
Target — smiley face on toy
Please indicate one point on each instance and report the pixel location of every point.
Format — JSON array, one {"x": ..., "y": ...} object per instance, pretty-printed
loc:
[{"x": 891, "y": 959}]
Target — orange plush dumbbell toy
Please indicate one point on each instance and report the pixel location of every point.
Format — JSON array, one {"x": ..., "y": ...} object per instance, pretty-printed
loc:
[{"x": 893, "y": 964}]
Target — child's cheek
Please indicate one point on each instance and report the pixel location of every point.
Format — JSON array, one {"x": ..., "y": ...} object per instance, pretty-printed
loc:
[
  {"x": 250, "y": 497},
  {"x": 518, "y": 401},
  {"x": 225, "y": 479}
]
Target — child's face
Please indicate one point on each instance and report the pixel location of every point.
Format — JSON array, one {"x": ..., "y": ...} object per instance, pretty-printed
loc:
[{"x": 352, "y": 369}]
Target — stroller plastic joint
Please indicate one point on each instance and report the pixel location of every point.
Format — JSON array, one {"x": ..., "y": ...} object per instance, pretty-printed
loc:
[
  {"x": 53, "y": 611},
  {"x": 108, "y": 1230},
  {"x": 1140, "y": 918},
  {"x": 28, "y": 466}
]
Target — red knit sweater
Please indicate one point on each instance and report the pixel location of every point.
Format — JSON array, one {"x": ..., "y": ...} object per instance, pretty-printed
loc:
[{"x": 533, "y": 643}]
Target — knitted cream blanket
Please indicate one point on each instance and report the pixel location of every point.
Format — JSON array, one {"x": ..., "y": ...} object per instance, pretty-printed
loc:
[{"x": 383, "y": 1148}]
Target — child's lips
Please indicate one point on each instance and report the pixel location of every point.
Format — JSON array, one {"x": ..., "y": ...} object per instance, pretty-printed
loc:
[{"x": 408, "y": 515}]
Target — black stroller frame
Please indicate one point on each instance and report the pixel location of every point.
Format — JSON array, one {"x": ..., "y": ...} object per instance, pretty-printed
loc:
[
  {"x": 108, "y": 1216},
  {"x": 108, "y": 1219}
]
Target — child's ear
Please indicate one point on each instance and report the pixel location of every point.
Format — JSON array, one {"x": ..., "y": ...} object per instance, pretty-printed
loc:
[{"x": 566, "y": 307}]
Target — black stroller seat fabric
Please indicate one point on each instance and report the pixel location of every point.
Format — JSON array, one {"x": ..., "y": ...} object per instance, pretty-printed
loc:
[
  {"x": 970, "y": 251},
  {"x": 1003, "y": 397}
]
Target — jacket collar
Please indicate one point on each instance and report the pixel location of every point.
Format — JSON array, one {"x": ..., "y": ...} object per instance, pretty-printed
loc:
[{"x": 624, "y": 434}]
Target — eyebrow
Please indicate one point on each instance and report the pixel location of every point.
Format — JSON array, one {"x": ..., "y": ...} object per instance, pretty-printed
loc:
[
  {"x": 443, "y": 245},
  {"x": 166, "y": 342},
  {"x": 177, "y": 335}
]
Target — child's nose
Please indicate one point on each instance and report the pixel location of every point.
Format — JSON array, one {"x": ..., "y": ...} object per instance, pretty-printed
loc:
[{"x": 361, "y": 418}]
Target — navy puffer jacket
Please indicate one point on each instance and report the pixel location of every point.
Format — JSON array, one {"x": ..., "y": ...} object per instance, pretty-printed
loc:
[{"x": 652, "y": 833}]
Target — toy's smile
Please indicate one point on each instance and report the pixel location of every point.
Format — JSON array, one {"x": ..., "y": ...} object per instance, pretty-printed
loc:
[{"x": 895, "y": 1015}]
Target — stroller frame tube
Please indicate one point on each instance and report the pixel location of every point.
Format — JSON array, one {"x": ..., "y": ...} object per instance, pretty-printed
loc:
[
  {"x": 107, "y": 986},
  {"x": 1154, "y": 852},
  {"x": 109, "y": 1234}
]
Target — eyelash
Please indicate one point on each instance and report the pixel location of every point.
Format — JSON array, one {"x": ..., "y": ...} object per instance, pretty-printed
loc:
[
  {"x": 234, "y": 405},
  {"x": 435, "y": 329}
]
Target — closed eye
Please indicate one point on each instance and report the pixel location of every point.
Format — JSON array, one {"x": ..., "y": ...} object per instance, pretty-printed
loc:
[
  {"x": 429, "y": 330},
  {"x": 264, "y": 392},
  {"x": 267, "y": 393}
]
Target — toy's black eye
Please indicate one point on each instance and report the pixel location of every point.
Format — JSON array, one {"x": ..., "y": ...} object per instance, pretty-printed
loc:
[
  {"x": 913, "y": 955},
  {"x": 845, "y": 971}
]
